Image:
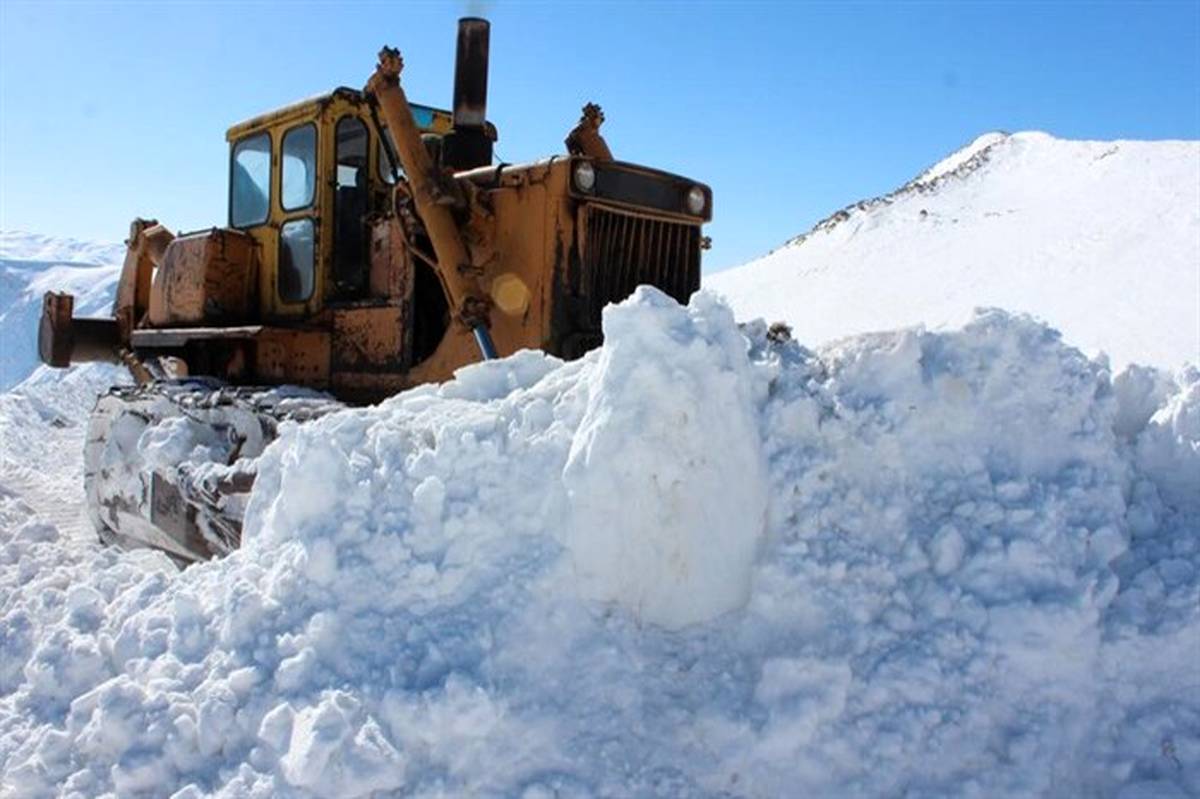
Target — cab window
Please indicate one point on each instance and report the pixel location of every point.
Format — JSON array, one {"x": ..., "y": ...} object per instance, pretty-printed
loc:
[
  {"x": 299, "y": 167},
  {"x": 296, "y": 260},
  {"x": 351, "y": 203},
  {"x": 250, "y": 181}
]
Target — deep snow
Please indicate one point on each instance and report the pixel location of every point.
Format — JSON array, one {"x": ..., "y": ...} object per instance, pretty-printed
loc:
[
  {"x": 1099, "y": 238},
  {"x": 935, "y": 564}
]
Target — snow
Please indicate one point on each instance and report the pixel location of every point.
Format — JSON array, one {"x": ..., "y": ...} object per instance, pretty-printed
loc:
[
  {"x": 959, "y": 159},
  {"x": 685, "y": 498},
  {"x": 31, "y": 265},
  {"x": 1101, "y": 239},
  {"x": 699, "y": 561},
  {"x": 42, "y": 426}
]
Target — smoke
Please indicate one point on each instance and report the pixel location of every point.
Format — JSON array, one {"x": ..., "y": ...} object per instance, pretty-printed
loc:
[{"x": 476, "y": 8}]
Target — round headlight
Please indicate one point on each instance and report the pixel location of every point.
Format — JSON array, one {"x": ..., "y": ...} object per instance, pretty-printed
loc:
[
  {"x": 585, "y": 176},
  {"x": 696, "y": 200}
]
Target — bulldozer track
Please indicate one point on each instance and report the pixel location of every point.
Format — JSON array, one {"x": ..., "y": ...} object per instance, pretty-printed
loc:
[{"x": 190, "y": 507}]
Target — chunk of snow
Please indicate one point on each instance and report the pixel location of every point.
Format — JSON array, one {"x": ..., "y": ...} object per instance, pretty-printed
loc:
[{"x": 665, "y": 478}]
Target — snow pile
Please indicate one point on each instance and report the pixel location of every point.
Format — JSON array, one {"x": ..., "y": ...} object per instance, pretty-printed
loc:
[
  {"x": 31, "y": 265},
  {"x": 683, "y": 499},
  {"x": 700, "y": 561},
  {"x": 1100, "y": 238}
]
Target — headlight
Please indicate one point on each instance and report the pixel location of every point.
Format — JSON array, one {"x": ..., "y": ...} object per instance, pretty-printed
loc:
[
  {"x": 696, "y": 200},
  {"x": 585, "y": 176}
]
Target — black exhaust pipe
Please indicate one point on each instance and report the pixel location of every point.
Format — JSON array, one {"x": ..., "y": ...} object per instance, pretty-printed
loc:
[
  {"x": 468, "y": 146},
  {"x": 471, "y": 73}
]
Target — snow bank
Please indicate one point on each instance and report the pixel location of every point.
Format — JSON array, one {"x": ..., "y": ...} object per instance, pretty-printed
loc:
[
  {"x": 42, "y": 424},
  {"x": 31, "y": 265},
  {"x": 1101, "y": 238},
  {"x": 700, "y": 561}
]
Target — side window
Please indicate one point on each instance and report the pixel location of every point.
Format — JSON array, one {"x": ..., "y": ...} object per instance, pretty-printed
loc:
[
  {"x": 351, "y": 203},
  {"x": 250, "y": 181},
  {"x": 351, "y": 151},
  {"x": 296, "y": 260},
  {"x": 299, "y": 167}
]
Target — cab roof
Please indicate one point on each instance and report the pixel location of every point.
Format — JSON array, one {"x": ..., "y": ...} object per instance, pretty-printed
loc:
[{"x": 428, "y": 118}]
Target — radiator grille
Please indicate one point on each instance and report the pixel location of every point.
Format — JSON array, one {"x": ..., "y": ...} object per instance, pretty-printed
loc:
[{"x": 623, "y": 251}]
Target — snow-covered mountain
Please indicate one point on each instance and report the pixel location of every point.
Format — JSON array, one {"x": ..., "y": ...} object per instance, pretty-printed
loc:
[
  {"x": 1102, "y": 239},
  {"x": 32, "y": 264}
]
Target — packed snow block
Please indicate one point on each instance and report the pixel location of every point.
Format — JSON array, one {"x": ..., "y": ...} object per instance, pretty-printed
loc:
[
  {"x": 334, "y": 751},
  {"x": 666, "y": 478},
  {"x": 1159, "y": 586},
  {"x": 1168, "y": 448}
]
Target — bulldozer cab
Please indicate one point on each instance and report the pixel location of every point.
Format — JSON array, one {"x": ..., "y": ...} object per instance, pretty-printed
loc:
[
  {"x": 338, "y": 272},
  {"x": 303, "y": 181},
  {"x": 341, "y": 273}
]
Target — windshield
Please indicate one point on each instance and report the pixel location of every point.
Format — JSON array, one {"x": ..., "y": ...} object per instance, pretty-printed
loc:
[{"x": 250, "y": 181}]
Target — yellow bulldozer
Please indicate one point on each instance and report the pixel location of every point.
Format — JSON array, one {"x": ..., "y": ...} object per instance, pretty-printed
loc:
[{"x": 371, "y": 245}]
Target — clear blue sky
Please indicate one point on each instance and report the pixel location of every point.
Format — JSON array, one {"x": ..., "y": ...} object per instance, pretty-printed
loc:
[{"x": 789, "y": 110}]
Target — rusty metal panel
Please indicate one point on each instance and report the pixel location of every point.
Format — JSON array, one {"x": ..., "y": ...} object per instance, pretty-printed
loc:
[
  {"x": 641, "y": 190},
  {"x": 368, "y": 386},
  {"x": 390, "y": 274},
  {"x": 178, "y": 336},
  {"x": 145, "y": 248},
  {"x": 292, "y": 356},
  {"x": 368, "y": 339},
  {"x": 204, "y": 277},
  {"x": 64, "y": 339},
  {"x": 54, "y": 330}
]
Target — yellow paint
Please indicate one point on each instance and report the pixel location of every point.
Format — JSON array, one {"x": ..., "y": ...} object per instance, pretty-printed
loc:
[{"x": 325, "y": 111}]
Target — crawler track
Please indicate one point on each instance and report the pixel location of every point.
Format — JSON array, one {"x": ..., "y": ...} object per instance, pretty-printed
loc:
[{"x": 170, "y": 464}]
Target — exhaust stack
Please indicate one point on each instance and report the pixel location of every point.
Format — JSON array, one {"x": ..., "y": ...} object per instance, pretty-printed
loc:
[
  {"x": 471, "y": 73},
  {"x": 468, "y": 146}
]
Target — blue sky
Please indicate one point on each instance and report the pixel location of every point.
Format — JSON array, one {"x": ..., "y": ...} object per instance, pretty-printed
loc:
[{"x": 789, "y": 110}]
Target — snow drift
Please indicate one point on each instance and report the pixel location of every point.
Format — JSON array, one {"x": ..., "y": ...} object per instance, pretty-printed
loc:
[
  {"x": 31, "y": 265},
  {"x": 700, "y": 561},
  {"x": 1100, "y": 238}
]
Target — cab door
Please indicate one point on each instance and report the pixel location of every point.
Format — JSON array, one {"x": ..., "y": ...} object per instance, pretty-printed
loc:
[
  {"x": 274, "y": 196},
  {"x": 297, "y": 286}
]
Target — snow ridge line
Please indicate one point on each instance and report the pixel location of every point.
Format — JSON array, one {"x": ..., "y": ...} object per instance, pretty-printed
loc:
[{"x": 917, "y": 185}]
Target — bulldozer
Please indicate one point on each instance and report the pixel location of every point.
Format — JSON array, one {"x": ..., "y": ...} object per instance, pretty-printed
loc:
[{"x": 371, "y": 245}]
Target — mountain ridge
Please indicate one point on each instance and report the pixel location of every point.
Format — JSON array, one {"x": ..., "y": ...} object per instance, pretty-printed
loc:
[{"x": 1074, "y": 232}]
